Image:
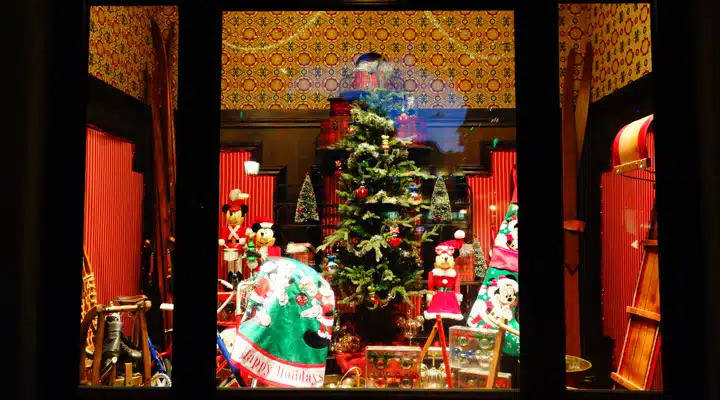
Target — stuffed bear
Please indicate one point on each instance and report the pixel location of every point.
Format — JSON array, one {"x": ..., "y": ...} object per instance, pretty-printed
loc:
[
  {"x": 233, "y": 235},
  {"x": 444, "y": 282}
]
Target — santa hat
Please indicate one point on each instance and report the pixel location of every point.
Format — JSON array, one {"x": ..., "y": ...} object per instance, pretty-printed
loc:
[
  {"x": 507, "y": 281},
  {"x": 449, "y": 246},
  {"x": 264, "y": 222}
]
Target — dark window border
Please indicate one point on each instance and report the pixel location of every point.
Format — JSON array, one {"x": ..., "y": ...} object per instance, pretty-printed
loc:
[{"x": 198, "y": 145}]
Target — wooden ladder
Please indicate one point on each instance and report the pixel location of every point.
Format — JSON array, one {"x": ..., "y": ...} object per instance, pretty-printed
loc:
[{"x": 642, "y": 337}]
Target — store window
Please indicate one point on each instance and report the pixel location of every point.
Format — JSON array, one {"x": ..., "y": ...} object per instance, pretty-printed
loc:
[
  {"x": 130, "y": 179},
  {"x": 611, "y": 264},
  {"x": 368, "y": 215}
]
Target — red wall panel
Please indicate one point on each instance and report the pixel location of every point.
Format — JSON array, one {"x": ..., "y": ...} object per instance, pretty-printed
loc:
[
  {"x": 113, "y": 215},
  {"x": 487, "y": 190},
  {"x": 260, "y": 187},
  {"x": 626, "y": 212}
]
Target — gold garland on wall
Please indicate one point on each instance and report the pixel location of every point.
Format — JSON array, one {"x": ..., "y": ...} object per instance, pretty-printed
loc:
[
  {"x": 466, "y": 47},
  {"x": 435, "y": 22},
  {"x": 289, "y": 39}
]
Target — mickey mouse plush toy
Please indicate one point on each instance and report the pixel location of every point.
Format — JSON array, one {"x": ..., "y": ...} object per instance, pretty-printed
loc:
[
  {"x": 233, "y": 235},
  {"x": 444, "y": 283},
  {"x": 264, "y": 238}
]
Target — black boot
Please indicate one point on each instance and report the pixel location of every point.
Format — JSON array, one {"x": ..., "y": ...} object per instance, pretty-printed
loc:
[
  {"x": 111, "y": 344},
  {"x": 129, "y": 354}
]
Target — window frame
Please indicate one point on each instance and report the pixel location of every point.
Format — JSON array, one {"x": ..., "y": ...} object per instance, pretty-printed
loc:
[{"x": 200, "y": 154}]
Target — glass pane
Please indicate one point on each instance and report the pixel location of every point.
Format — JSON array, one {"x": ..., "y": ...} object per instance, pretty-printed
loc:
[
  {"x": 348, "y": 138},
  {"x": 611, "y": 280},
  {"x": 129, "y": 197}
]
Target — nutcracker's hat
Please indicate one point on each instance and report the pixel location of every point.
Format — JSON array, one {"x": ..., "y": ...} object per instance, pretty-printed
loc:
[
  {"x": 236, "y": 205},
  {"x": 236, "y": 197}
]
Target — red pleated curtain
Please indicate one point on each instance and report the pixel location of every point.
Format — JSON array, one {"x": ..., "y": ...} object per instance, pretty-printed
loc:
[{"x": 112, "y": 216}]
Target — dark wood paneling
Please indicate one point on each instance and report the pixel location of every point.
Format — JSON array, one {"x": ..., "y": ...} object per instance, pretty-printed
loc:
[
  {"x": 115, "y": 111},
  {"x": 355, "y": 5},
  {"x": 297, "y": 119}
]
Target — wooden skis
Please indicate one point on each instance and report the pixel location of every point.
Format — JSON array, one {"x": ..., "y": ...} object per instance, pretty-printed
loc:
[
  {"x": 160, "y": 95},
  {"x": 574, "y": 122}
]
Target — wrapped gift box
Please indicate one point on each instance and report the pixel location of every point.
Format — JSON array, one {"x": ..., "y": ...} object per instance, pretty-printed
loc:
[
  {"x": 471, "y": 347},
  {"x": 392, "y": 367},
  {"x": 469, "y": 378},
  {"x": 303, "y": 252},
  {"x": 465, "y": 264}
]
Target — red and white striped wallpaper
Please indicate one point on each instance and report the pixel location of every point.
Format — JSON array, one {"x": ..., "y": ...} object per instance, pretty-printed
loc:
[
  {"x": 626, "y": 212},
  {"x": 487, "y": 190},
  {"x": 260, "y": 187},
  {"x": 113, "y": 215}
]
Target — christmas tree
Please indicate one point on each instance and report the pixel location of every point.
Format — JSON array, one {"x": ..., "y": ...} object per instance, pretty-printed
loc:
[
  {"x": 307, "y": 204},
  {"x": 479, "y": 260},
  {"x": 375, "y": 243},
  {"x": 440, "y": 203}
]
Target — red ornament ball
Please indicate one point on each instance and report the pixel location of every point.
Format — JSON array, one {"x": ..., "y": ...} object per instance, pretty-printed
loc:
[
  {"x": 361, "y": 192},
  {"x": 338, "y": 172},
  {"x": 351, "y": 131},
  {"x": 301, "y": 299},
  {"x": 395, "y": 241}
]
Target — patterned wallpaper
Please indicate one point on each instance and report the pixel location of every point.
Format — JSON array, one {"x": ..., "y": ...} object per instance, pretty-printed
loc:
[
  {"x": 620, "y": 34},
  {"x": 450, "y": 59},
  {"x": 297, "y": 60},
  {"x": 121, "y": 45}
]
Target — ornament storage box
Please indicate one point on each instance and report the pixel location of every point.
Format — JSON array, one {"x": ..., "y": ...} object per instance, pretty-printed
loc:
[
  {"x": 392, "y": 367},
  {"x": 469, "y": 378},
  {"x": 471, "y": 347},
  {"x": 465, "y": 264}
]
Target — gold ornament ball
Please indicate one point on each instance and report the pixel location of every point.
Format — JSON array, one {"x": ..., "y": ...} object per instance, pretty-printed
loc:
[{"x": 348, "y": 383}]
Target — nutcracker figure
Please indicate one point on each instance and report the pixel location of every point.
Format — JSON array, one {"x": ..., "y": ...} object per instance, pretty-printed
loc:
[
  {"x": 444, "y": 282},
  {"x": 233, "y": 235}
]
